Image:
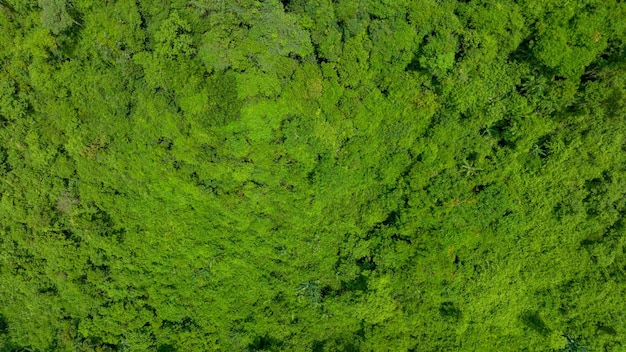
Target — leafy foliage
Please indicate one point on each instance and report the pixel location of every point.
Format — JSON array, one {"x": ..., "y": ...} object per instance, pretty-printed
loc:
[{"x": 246, "y": 175}]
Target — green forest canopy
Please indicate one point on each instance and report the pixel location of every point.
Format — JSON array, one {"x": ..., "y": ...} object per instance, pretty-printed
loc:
[{"x": 312, "y": 175}]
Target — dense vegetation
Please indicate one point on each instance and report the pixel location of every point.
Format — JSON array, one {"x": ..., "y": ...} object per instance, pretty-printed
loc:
[{"x": 312, "y": 175}]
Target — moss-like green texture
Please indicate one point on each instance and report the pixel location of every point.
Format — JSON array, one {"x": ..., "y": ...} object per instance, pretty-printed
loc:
[{"x": 312, "y": 175}]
